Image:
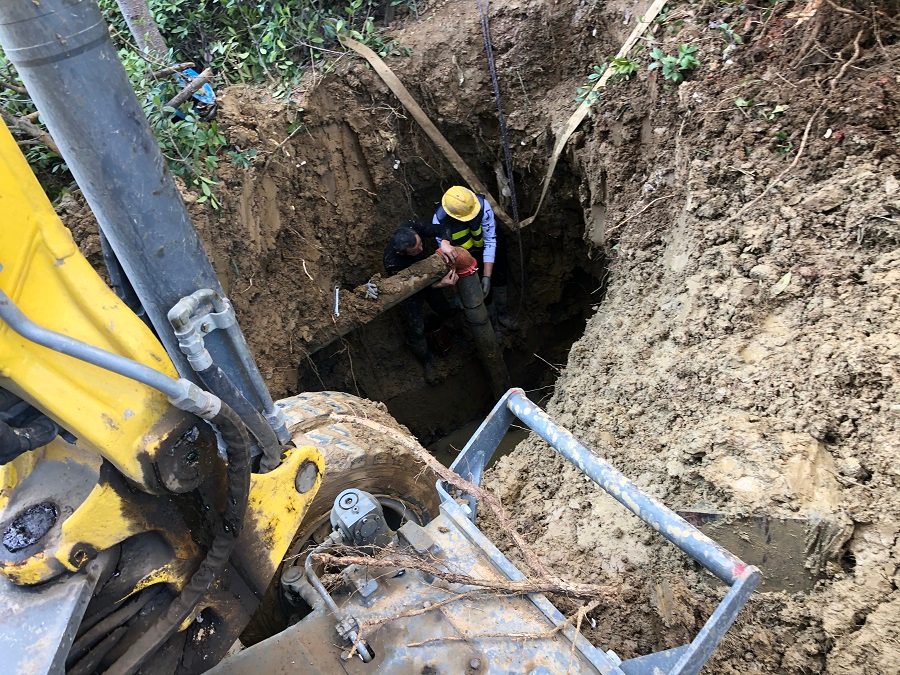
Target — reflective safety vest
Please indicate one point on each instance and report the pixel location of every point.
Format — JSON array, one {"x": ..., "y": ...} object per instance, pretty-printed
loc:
[{"x": 466, "y": 234}]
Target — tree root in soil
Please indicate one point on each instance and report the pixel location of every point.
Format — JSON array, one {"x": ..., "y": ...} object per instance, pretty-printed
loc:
[{"x": 543, "y": 580}]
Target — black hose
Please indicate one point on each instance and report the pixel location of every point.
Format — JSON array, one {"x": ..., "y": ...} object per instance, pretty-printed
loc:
[
  {"x": 120, "y": 283},
  {"x": 221, "y": 385},
  {"x": 92, "y": 659},
  {"x": 237, "y": 447},
  {"x": 15, "y": 441},
  {"x": 507, "y": 154},
  {"x": 92, "y": 636}
]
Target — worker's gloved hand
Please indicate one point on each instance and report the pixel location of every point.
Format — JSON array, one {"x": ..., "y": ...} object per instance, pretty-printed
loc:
[
  {"x": 486, "y": 285},
  {"x": 371, "y": 290}
]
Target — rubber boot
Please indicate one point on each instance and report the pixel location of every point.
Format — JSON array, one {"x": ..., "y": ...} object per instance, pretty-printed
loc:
[
  {"x": 501, "y": 300},
  {"x": 419, "y": 347}
]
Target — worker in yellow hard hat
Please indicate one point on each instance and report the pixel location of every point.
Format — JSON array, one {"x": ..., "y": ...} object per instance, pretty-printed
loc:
[{"x": 467, "y": 220}]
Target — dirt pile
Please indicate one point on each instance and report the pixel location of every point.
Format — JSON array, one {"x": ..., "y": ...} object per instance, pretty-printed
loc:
[{"x": 745, "y": 358}]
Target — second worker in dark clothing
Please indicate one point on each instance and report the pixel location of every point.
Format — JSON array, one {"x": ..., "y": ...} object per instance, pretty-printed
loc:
[{"x": 407, "y": 246}]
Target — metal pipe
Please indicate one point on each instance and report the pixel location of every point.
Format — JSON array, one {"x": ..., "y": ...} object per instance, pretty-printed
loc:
[
  {"x": 313, "y": 579},
  {"x": 28, "y": 329},
  {"x": 485, "y": 341},
  {"x": 183, "y": 394},
  {"x": 64, "y": 55},
  {"x": 274, "y": 415},
  {"x": 725, "y": 565}
]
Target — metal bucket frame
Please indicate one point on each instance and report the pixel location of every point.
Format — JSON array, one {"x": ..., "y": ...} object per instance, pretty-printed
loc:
[{"x": 740, "y": 577}]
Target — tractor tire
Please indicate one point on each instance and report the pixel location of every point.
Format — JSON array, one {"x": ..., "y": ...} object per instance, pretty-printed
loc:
[{"x": 355, "y": 456}]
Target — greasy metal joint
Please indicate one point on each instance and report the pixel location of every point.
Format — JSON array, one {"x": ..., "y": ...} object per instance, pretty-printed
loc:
[
  {"x": 82, "y": 553},
  {"x": 30, "y": 526}
]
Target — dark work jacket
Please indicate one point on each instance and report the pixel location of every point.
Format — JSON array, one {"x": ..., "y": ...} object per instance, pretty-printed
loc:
[{"x": 396, "y": 261}]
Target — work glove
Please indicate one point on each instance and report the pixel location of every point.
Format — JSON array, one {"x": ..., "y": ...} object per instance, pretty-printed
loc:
[
  {"x": 486, "y": 285},
  {"x": 371, "y": 290}
]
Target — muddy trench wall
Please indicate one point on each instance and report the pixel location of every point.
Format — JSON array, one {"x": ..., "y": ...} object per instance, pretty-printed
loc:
[
  {"x": 744, "y": 360},
  {"x": 318, "y": 210}
]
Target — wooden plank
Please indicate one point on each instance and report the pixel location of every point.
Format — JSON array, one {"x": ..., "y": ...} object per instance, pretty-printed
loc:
[{"x": 581, "y": 112}]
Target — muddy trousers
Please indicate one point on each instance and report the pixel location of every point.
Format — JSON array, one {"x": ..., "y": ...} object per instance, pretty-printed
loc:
[{"x": 413, "y": 309}]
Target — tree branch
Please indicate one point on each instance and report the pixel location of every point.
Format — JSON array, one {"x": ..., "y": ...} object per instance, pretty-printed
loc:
[
  {"x": 400, "y": 559},
  {"x": 25, "y": 126},
  {"x": 15, "y": 87},
  {"x": 171, "y": 70},
  {"x": 195, "y": 84},
  {"x": 465, "y": 637}
]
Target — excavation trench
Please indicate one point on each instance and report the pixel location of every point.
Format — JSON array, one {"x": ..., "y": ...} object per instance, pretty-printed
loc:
[
  {"x": 744, "y": 358},
  {"x": 550, "y": 314}
]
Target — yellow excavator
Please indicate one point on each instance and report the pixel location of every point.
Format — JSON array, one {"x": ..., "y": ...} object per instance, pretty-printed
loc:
[{"x": 160, "y": 513}]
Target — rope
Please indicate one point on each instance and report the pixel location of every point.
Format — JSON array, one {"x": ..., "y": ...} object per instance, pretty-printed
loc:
[{"x": 507, "y": 155}]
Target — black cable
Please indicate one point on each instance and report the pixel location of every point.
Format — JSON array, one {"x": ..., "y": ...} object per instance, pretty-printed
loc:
[
  {"x": 222, "y": 386},
  {"x": 92, "y": 659},
  {"x": 121, "y": 284},
  {"x": 17, "y": 440},
  {"x": 237, "y": 446},
  {"x": 94, "y": 635},
  {"x": 507, "y": 154}
]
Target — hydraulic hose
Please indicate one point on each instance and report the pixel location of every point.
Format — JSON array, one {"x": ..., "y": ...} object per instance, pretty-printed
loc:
[
  {"x": 183, "y": 394},
  {"x": 15, "y": 441},
  {"x": 316, "y": 583},
  {"x": 237, "y": 444},
  {"x": 189, "y": 338},
  {"x": 28, "y": 329},
  {"x": 99, "y": 631},
  {"x": 221, "y": 385}
]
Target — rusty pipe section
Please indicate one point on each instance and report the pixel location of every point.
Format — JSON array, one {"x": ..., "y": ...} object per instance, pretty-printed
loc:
[
  {"x": 357, "y": 309},
  {"x": 485, "y": 341}
]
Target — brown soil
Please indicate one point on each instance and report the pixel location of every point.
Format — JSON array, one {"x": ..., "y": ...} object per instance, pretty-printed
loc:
[{"x": 744, "y": 357}]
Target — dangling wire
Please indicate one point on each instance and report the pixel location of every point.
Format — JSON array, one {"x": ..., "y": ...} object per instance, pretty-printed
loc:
[{"x": 507, "y": 155}]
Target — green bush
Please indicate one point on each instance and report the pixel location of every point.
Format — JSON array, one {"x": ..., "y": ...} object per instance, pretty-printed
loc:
[{"x": 242, "y": 41}]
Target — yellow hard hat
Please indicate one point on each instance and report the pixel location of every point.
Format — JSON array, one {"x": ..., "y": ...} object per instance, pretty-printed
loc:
[{"x": 461, "y": 203}]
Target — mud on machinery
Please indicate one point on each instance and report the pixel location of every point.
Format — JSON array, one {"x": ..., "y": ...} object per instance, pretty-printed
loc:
[{"x": 156, "y": 505}]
